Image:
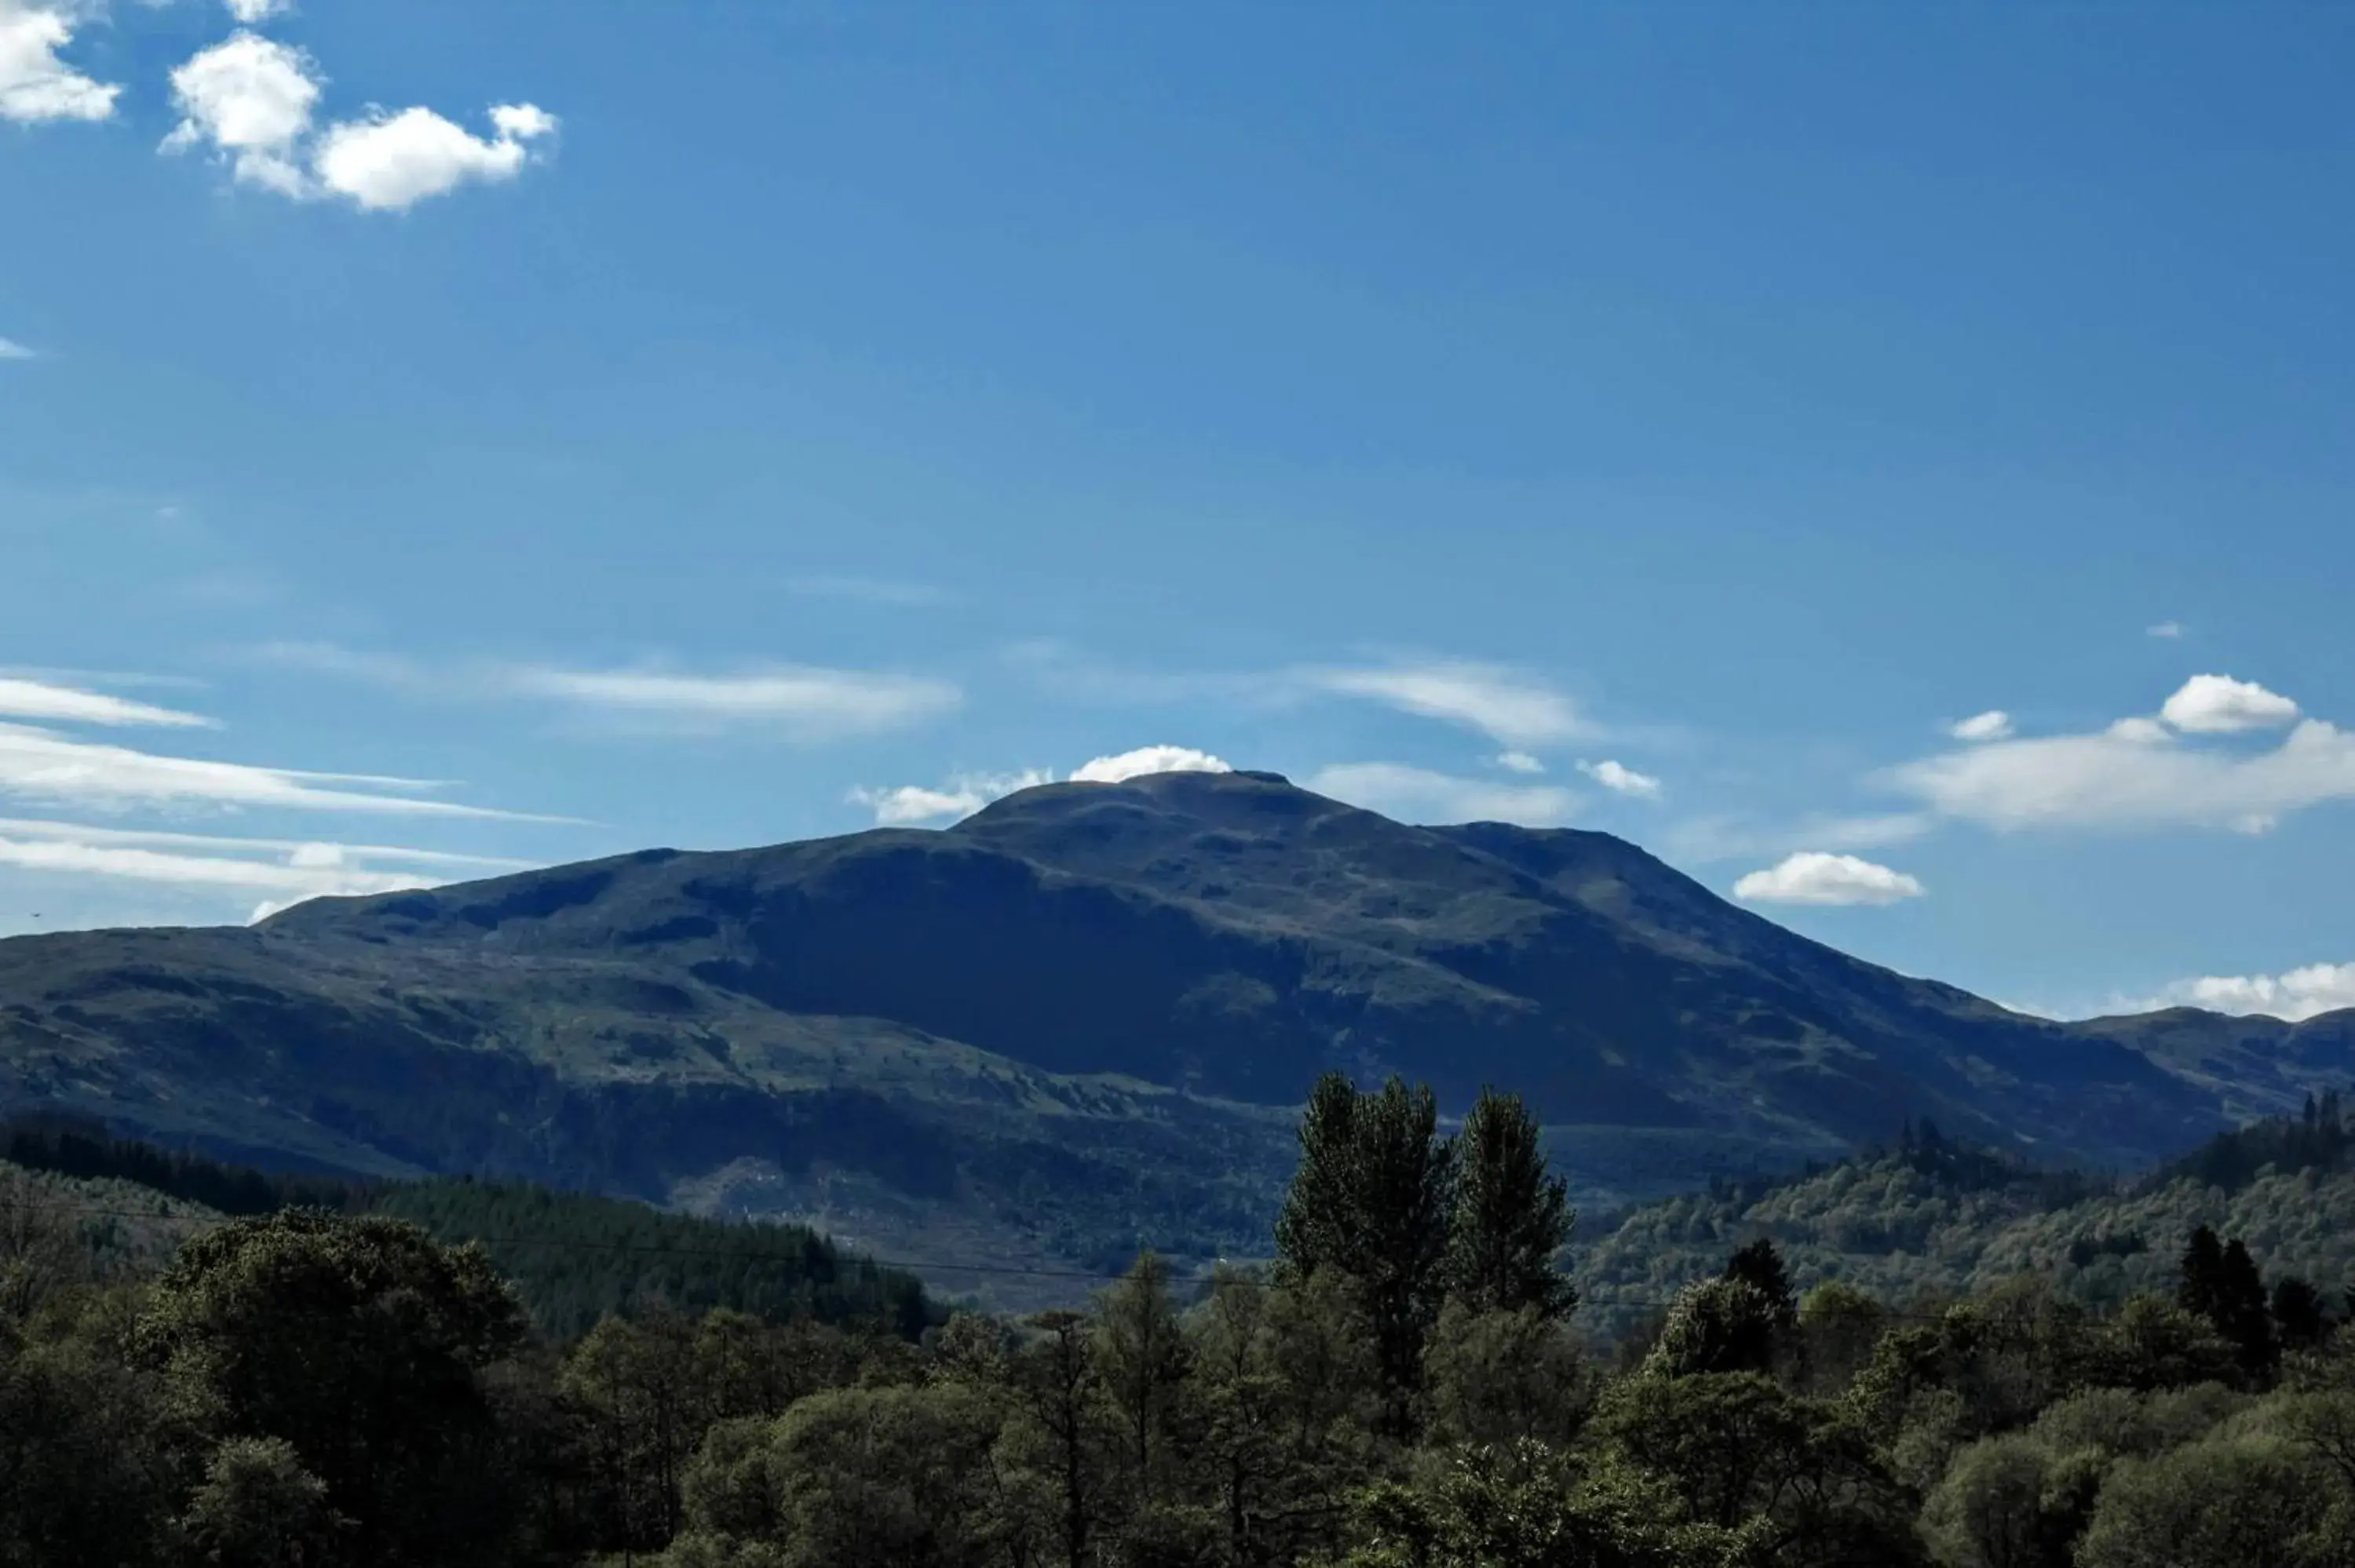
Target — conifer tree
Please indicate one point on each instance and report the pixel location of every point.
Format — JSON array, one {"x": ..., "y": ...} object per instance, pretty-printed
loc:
[
  {"x": 1371, "y": 1200},
  {"x": 1512, "y": 1216}
]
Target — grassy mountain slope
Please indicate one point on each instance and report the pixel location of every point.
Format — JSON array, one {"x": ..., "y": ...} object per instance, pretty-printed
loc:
[{"x": 1074, "y": 1023}]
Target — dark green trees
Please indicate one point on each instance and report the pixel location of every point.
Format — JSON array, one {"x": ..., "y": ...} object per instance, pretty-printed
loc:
[
  {"x": 1512, "y": 1216},
  {"x": 356, "y": 1345},
  {"x": 1372, "y": 1202}
]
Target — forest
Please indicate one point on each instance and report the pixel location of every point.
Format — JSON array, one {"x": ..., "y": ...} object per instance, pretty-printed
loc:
[{"x": 321, "y": 1379}]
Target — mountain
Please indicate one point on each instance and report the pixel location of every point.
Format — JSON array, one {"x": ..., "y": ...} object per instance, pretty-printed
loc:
[{"x": 1076, "y": 1022}]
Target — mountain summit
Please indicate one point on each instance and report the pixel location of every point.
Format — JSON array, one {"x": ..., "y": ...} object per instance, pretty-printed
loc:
[{"x": 1078, "y": 1019}]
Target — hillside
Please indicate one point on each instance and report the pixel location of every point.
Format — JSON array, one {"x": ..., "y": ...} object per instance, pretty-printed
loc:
[
  {"x": 1935, "y": 1220},
  {"x": 1074, "y": 1024}
]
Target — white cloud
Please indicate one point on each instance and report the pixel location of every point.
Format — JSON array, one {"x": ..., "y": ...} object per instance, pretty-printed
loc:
[
  {"x": 1520, "y": 762},
  {"x": 1812, "y": 876},
  {"x": 966, "y": 793},
  {"x": 287, "y": 871},
  {"x": 1993, "y": 725},
  {"x": 1621, "y": 779},
  {"x": 255, "y": 102},
  {"x": 253, "y": 12},
  {"x": 10, "y": 349},
  {"x": 801, "y": 701},
  {"x": 1511, "y": 708},
  {"x": 2218, "y": 704},
  {"x": 35, "y": 84},
  {"x": 308, "y": 852},
  {"x": 960, "y": 797},
  {"x": 29, "y": 699},
  {"x": 1147, "y": 760},
  {"x": 1416, "y": 794},
  {"x": 251, "y": 98},
  {"x": 2170, "y": 631},
  {"x": 392, "y": 162},
  {"x": 2133, "y": 775},
  {"x": 2295, "y": 995},
  {"x": 38, "y": 765}
]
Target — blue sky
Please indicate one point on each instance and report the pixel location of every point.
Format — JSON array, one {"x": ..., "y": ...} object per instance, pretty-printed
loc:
[{"x": 601, "y": 425}]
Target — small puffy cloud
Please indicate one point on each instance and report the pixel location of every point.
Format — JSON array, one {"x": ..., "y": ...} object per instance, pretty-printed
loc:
[
  {"x": 2169, "y": 631},
  {"x": 35, "y": 84},
  {"x": 1813, "y": 877},
  {"x": 803, "y": 703},
  {"x": 254, "y": 102},
  {"x": 965, "y": 793},
  {"x": 2296, "y": 994},
  {"x": 253, "y": 12},
  {"x": 1621, "y": 779},
  {"x": 43, "y": 701},
  {"x": 10, "y": 349},
  {"x": 2218, "y": 704},
  {"x": 1520, "y": 762},
  {"x": 961, "y": 797},
  {"x": 1509, "y": 707},
  {"x": 2140, "y": 731},
  {"x": 1147, "y": 760},
  {"x": 1993, "y": 725},
  {"x": 395, "y": 161},
  {"x": 249, "y": 99},
  {"x": 1417, "y": 794}
]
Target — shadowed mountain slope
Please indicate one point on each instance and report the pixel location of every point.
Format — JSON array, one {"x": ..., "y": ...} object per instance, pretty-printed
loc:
[{"x": 1074, "y": 1022}]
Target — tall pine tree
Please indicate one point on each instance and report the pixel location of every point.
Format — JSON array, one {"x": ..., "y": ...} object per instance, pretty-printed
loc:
[
  {"x": 1371, "y": 1200},
  {"x": 1512, "y": 1216}
]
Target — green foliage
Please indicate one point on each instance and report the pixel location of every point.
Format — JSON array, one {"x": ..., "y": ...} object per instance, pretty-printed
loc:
[
  {"x": 1512, "y": 1217},
  {"x": 576, "y": 1258},
  {"x": 1498, "y": 1378},
  {"x": 258, "y": 1507},
  {"x": 1716, "y": 1326},
  {"x": 854, "y": 1478},
  {"x": 2224, "y": 1502},
  {"x": 358, "y": 1344},
  {"x": 1372, "y": 1199}
]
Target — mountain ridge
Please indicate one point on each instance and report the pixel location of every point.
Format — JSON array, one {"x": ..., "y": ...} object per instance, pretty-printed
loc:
[{"x": 1077, "y": 1020}]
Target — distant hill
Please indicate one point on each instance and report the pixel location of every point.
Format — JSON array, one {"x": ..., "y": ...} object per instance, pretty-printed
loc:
[
  {"x": 1075, "y": 1024},
  {"x": 1939, "y": 1220}
]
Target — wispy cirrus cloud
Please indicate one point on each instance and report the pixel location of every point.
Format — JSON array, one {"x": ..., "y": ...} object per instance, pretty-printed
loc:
[
  {"x": 10, "y": 349},
  {"x": 41, "y": 765},
  {"x": 1512, "y": 708},
  {"x": 801, "y": 702},
  {"x": 22, "y": 697},
  {"x": 805, "y": 703},
  {"x": 35, "y": 84},
  {"x": 284, "y": 871}
]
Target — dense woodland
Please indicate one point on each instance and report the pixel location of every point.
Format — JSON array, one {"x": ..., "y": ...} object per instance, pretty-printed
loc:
[{"x": 1412, "y": 1383}]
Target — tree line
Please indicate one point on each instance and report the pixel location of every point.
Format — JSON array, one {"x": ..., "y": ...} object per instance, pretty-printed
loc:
[{"x": 1403, "y": 1386}]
